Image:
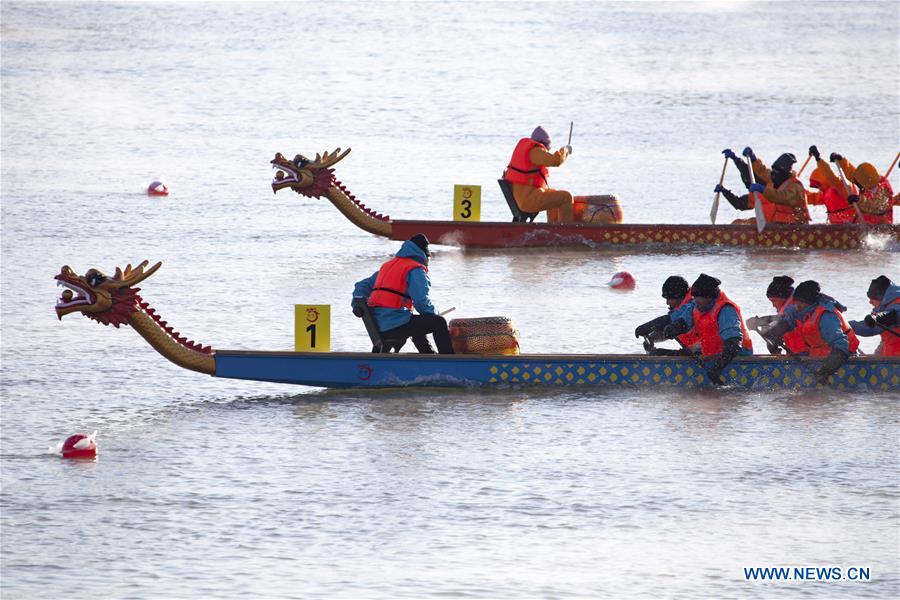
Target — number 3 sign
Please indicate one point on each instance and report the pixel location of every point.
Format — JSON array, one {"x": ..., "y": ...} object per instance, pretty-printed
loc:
[
  {"x": 466, "y": 202},
  {"x": 312, "y": 327}
]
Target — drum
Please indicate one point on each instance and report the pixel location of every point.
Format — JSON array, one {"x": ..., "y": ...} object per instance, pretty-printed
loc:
[
  {"x": 484, "y": 335},
  {"x": 598, "y": 210}
]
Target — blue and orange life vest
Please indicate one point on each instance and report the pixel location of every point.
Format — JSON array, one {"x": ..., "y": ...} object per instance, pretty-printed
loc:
[
  {"x": 522, "y": 170},
  {"x": 691, "y": 338},
  {"x": 706, "y": 325},
  {"x": 809, "y": 328},
  {"x": 793, "y": 339},
  {"x": 390, "y": 286},
  {"x": 890, "y": 343}
]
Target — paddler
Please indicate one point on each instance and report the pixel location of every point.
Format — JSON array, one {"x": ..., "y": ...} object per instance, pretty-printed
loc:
[
  {"x": 779, "y": 293},
  {"x": 884, "y": 320},
  {"x": 819, "y": 321},
  {"x": 716, "y": 321},
  {"x": 527, "y": 172},
  {"x": 875, "y": 195},
  {"x": 400, "y": 285},
  {"x": 831, "y": 192},
  {"x": 783, "y": 196},
  {"x": 677, "y": 293}
]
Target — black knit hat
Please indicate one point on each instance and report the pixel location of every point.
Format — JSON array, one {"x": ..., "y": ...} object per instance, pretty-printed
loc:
[
  {"x": 784, "y": 163},
  {"x": 878, "y": 287},
  {"x": 705, "y": 287},
  {"x": 675, "y": 287},
  {"x": 808, "y": 292},
  {"x": 422, "y": 242},
  {"x": 782, "y": 286}
]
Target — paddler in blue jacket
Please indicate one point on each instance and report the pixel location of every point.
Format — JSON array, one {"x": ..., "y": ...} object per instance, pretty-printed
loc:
[
  {"x": 716, "y": 320},
  {"x": 400, "y": 285},
  {"x": 884, "y": 320}
]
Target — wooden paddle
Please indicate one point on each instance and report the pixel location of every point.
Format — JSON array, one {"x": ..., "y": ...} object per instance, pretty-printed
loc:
[
  {"x": 790, "y": 352},
  {"x": 859, "y": 214},
  {"x": 893, "y": 164},
  {"x": 757, "y": 202},
  {"x": 803, "y": 168},
  {"x": 715, "y": 206}
]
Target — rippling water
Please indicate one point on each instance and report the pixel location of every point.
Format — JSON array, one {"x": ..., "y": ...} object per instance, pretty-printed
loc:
[{"x": 225, "y": 488}]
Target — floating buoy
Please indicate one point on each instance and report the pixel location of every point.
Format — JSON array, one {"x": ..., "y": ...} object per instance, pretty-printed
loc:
[
  {"x": 80, "y": 445},
  {"x": 622, "y": 280},
  {"x": 158, "y": 188}
]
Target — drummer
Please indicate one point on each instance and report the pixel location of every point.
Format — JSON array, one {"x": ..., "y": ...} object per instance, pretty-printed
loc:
[{"x": 527, "y": 173}]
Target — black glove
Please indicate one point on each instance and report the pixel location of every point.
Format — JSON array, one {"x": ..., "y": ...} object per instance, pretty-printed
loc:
[
  {"x": 814, "y": 152},
  {"x": 673, "y": 330},
  {"x": 835, "y": 157},
  {"x": 773, "y": 349},
  {"x": 357, "y": 306},
  {"x": 833, "y": 362},
  {"x": 730, "y": 348},
  {"x": 885, "y": 319},
  {"x": 853, "y": 198},
  {"x": 650, "y": 326},
  {"x": 358, "y": 311}
]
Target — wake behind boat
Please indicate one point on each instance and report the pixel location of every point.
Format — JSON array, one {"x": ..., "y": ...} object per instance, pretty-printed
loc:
[
  {"x": 114, "y": 301},
  {"x": 316, "y": 179}
]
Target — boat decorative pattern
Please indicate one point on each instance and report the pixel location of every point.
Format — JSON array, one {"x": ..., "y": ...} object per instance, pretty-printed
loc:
[{"x": 749, "y": 375}]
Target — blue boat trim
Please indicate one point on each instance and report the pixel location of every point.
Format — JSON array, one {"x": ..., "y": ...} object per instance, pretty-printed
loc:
[{"x": 364, "y": 369}]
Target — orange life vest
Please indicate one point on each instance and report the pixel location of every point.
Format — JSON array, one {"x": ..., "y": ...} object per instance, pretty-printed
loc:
[
  {"x": 883, "y": 191},
  {"x": 706, "y": 325},
  {"x": 690, "y": 338},
  {"x": 809, "y": 328},
  {"x": 391, "y": 285},
  {"x": 522, "y": 170},
  {"x": 780, "y": 213},
  {"x": 793, "y": 340},
  {"x": 839, "y": 210},
  {"x": 890, "y": 344}
]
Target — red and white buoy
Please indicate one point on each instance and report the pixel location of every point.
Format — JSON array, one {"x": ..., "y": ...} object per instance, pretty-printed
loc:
[
  {"x": 157, "y": 188},
  {"x": 623, "y": 280},
  {"x": 80, "y": 445}
]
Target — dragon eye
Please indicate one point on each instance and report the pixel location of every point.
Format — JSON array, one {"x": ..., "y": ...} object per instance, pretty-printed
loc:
[{"x": 95, "y": 278}]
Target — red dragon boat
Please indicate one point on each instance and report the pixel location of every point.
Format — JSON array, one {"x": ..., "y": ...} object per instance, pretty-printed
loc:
[{"x": 316, "y": 179}]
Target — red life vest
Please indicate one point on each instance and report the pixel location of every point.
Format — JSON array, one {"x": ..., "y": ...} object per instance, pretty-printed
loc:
[
  {"x": 890, "y": 344},
  {"x": 793, "y": 339},
  {"x": 780, "y": 213},
  {"x": 839, "y": 210},
  {"x": 706, "y": 324},
  {"x": 522, "y": 170},
  {"x": 391, "y": 285},
  {"x": 691, "y": 338},
  {"x": 884, "y": 190},
  {"x": 809, "y": 328}
]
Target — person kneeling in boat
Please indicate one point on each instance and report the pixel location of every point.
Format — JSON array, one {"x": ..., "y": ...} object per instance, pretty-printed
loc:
[
  {"x": 875, "y": 198},
  {"x": 399, "y": 285},
  {"x": 831, "y": 192},
  {"x": 884, "y": 320},
  {"x": 783, "y": 196},
  {"x": 717, "y": 322},
  {"x": 676, "y": 292},
  {"x": 779, "y": 293},
  {"x": 527, "y": 172},
  {"x": 819, "y": 321}
]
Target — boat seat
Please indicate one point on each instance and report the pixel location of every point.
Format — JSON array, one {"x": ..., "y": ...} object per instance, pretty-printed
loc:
[
  {"x": 380, "y": 344},
  {"x": 519, "y": 216}
]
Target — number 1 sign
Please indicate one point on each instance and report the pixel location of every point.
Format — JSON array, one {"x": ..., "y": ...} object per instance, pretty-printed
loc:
[{"x": 312, "y": 327}]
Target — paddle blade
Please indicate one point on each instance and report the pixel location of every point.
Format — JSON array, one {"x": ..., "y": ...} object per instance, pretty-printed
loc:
[
  {"x": 760, "y": 214},
  {"x": 715, "y": 209}
]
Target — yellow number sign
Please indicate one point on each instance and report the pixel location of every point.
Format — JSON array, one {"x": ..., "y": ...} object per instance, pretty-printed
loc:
[
  {"x": 312, "y": 327},
  {"x": 466, "y": 202}
]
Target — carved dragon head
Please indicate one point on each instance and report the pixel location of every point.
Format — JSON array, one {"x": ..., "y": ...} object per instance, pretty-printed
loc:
[
  {"x": 105, "y": 299},
  {"x": 311, "y": 178}
]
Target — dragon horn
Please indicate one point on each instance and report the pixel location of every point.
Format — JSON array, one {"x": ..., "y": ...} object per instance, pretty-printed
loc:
[{"x": 133, "y": 275}]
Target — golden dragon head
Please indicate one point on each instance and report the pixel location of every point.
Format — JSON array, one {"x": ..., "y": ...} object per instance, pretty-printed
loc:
[
  {"x": 310, "y": 178},
  {"x": 107, "y": 300}
]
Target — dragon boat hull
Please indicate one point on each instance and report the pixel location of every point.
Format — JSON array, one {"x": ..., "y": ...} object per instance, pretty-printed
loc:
[
  {"x": 348, "y": 369},
  {"x": 512, "y": 235}
]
